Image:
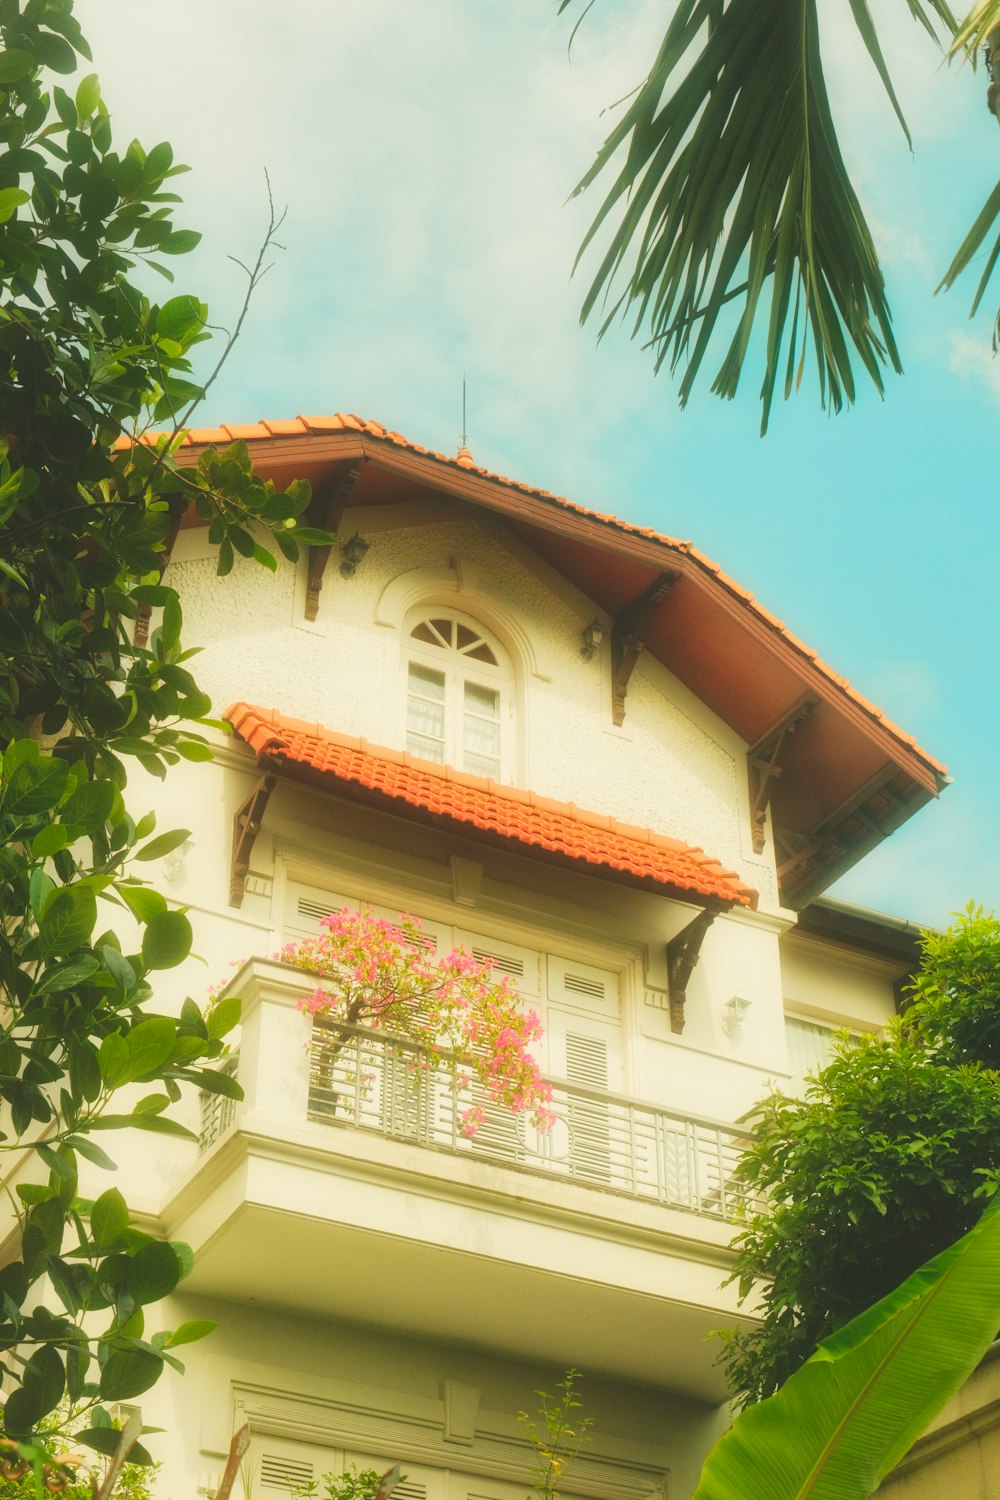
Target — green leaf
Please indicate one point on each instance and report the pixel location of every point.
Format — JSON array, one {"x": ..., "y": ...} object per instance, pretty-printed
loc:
[
  {"x": 35, "y": 786},
  {"x": 90, "y": 805},
  {"x": 163, "y": 844},
  {"x": 11, "y": 199},
  {"x": 87, "y": 95},
  {"x": 142, "y": 901},
  {"x": 68, "y": 919},
  {"x": 223, "y": 1016},
  {"x": 45, "y": 1378},
  {"x": 53, "y": 837},
  {"x": 66, "y": 975},
  {"x": 129, "y": 1372},
  {"x": 149, "y": 1044},
  {"x": 16, "y": 63},
  {"x": 153, "y": 1273},
  {"x": 108, "y": 1218},
  {"x": 166, "y": 941},
  {"x": 107, "y": 1439},
  {"x": 179, "y": 242},
  {"x": 847, "y": 1417},
  {"x": 313, "y": 537},
  {"x": 91, "y": 1152},
  {"x": 54, "y": 52},
  {"x": 157, "y": 1124},
  {"x": 188, "y": 1333}
]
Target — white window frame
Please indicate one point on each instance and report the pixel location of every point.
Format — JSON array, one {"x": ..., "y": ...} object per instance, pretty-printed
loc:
[{"x": 459, "y": 669}]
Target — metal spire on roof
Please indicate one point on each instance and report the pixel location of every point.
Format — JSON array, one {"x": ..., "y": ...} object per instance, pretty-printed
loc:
[{"x": 464, "y": 457}]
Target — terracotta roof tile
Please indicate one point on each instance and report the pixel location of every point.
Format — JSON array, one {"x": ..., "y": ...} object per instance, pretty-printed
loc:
[{"x": 589, "y": 839}]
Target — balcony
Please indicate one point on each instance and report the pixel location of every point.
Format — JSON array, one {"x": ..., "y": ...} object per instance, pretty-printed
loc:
[{"x": 602, "y": 1243}]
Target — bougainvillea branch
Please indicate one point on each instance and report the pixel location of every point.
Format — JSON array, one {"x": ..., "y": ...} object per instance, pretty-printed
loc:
[{"x": 375, "y": 973}]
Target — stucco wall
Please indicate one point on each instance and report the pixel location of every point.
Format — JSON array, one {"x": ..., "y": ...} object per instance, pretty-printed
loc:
[
  {"x": 672, "y": 765},
  {"x": 958, "y": 1458}
]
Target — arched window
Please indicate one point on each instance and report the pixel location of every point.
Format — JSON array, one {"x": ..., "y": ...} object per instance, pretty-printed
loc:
[{"x": 459, "y": 694}]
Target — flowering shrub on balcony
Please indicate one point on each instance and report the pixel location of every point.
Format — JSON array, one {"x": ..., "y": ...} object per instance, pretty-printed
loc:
[{"x": 375, "y": 973}]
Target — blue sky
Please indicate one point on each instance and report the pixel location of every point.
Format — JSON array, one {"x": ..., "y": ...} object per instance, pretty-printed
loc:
[{"x": 426, "y": 153}]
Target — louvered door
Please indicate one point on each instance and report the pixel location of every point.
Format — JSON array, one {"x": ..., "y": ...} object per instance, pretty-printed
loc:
[{"x": 501, "y": 1134}]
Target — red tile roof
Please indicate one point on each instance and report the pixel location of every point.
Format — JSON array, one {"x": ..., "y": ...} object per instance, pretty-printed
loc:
[
  {"x": 299, "y": 427},
  {"x": 508, "y": 813}
]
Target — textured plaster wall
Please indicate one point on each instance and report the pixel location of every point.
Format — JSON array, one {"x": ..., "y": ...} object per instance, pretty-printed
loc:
[{"x": 672, "y": 766}]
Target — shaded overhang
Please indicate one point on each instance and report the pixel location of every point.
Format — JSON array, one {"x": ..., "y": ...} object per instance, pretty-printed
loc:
[{"x": 835, "y": 774}]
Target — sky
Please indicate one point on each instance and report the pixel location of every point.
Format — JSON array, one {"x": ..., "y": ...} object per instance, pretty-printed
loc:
[{"x": 426, "y": 153}]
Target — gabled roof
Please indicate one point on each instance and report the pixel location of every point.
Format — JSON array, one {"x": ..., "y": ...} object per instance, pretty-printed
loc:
[
  {"x": 837, "y": 774},
  {"x": 519, "y": 820}
]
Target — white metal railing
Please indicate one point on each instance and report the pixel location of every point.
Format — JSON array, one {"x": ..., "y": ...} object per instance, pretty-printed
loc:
[
  {"x": 376, "y": 1082},
  {"x": 217, "y": 1110}
]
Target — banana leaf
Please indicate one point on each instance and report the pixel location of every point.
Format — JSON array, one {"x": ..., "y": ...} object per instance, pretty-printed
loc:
[{"x": 842, "y": 1421}]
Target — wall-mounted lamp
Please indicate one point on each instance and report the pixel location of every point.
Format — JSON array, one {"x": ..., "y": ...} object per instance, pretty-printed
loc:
[
  {"x": 593, "y": 637},
  {"x": 354, "y": 550},
  {"x": 734, "y": 1013}
]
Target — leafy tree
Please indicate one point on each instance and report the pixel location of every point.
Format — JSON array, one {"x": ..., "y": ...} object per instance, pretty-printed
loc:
[
  {"x": 837, "y": 1426},
  {"x": 732, "y": 208},
  {"x": 881, "y": 1165},
  {"x": 89, "y": 504}
]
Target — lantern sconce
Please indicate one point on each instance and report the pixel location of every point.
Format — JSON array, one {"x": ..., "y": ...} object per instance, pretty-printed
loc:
[
  {"x": 734, "y": 1013},
  {"x": 593, "y": 639},
  {"x": 354, "y": 550}
]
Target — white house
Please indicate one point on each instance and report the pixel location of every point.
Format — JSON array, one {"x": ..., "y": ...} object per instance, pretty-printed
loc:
[{"x": 579, "y": 748}]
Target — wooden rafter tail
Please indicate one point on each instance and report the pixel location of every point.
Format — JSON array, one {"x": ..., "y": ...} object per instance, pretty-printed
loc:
[
  {"x": 127, "y": 1441},
  {"x": 238, "y": 1450},
  {"x": 628, "y": 638},
  {"x": 682, "y": 955},
  {"x": 330, "y": 510},
  {"x": 246, "y": 826}
]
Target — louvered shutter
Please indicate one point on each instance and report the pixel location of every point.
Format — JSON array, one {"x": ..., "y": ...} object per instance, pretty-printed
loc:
[
  {"x": 280, "y": 1465},
  {"x": 586, "y": 1051},
  {"x": 501, "y": 1134},
  {"x": 418, "y": 1482}
]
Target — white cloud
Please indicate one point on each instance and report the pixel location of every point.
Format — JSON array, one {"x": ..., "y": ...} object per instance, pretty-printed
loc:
[{"x": 970, "y": 357}]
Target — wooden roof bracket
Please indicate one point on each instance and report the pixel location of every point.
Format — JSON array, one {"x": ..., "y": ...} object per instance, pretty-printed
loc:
[
  {"x": 764, "y": 763},
  {"x": 246, "y": 826},
  {"x": 628, "y": 638},
  {"x": 330, "y": 507},
  {"x": 682, "y": 955}
]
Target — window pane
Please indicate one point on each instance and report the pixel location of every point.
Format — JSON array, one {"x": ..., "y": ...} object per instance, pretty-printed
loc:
[
  {"x": 482, "y": 652},
  {"x": 425, "y": 713},
  {"x": 423, "y": 632},
  {"x": 481, "y": 730},
  {"x": 445, "y": 630},
  {"x": 426, "y": 683},
  {"x": 481, "y": 700}
]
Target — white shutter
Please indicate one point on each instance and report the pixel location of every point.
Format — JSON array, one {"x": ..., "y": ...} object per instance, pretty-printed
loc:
[
  {"x": 586, "y": 1051},
  {"x": 521, "y": 966},
  {"x": 418, "y": 1482},
  {"x": 305, "y": 905},
  {"x": 278, "y": 1465},
  {"x": 583, "y": 987}
]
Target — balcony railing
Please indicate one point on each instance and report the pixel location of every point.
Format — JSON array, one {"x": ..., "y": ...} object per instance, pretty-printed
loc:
[{"x": 374, "y": 1082}]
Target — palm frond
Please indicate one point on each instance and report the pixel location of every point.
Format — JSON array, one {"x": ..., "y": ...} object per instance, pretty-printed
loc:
[
  {"x": 973, "y": 32},
  {"x": 730, "y": 185}
]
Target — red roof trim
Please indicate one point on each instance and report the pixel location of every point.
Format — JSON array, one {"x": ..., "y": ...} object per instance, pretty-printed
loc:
[{"x": 510, "y": 813}]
